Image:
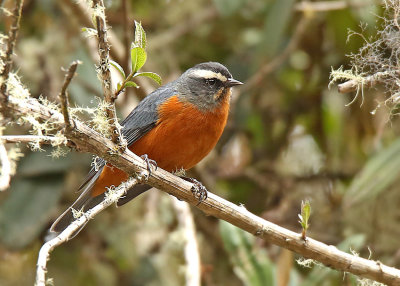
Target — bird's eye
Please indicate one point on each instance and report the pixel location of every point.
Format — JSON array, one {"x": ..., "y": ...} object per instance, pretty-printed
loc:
[{"x": 211, "y": 82}]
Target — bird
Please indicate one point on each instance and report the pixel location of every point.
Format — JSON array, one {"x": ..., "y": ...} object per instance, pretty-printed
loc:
[{"x": 174, "y": 128}]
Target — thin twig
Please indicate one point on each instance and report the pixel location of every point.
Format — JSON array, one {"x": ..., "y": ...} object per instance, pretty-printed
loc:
[
  {"x": 29, "y": 139},
  {"x": 278, "y": 60},
  {"x": 324, "y": 6},
  {"x": 44, "y": 253},
  {"x": 192, "y": 256},
  {"x": 105, "y": 73},
  {"x": 87, "y": 140},
  {"x": 12, "y": 39},
  {"x": 64, "y": 95},
  {"x": 5, "y": 174}
]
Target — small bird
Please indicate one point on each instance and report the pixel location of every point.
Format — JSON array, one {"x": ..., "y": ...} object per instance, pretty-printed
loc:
[{"x": 175, "y": 126}]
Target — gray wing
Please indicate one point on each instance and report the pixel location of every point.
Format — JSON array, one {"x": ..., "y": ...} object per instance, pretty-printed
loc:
[{"x": 141, "y": 120}]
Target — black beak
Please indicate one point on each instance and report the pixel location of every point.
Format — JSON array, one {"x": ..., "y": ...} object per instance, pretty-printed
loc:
[{"x": 232, "y": 82}]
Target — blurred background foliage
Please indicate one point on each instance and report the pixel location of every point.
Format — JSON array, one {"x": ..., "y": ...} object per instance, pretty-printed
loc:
[{"x": 289, "y": 138}]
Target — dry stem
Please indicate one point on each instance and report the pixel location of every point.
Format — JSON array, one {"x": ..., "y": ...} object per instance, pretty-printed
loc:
[
  {"x": 29, "y": 139},
  {"x": 64, "y": 95},
  {"x": 12, "y": 39}
]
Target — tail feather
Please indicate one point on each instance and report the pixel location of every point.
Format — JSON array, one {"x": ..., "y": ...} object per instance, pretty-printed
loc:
[
  {"x": 86, "y": 202},
  {"x": 133, "y": 193},
  {"x": 82, "y": 204}
]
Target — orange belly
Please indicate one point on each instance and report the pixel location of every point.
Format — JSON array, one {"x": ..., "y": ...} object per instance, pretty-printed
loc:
[{"x": 182, "y": 137}]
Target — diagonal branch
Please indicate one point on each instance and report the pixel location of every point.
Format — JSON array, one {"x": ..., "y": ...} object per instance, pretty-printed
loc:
[
  {"x": 12, "y": 38},
  {"x": 49, "y": 246},
  {"x": 87, "y": 140}
]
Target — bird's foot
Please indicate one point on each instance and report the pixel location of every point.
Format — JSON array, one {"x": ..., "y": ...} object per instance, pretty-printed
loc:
[
  {"x": 198, "y": 190},
  {"x": 150, "y": 163}
]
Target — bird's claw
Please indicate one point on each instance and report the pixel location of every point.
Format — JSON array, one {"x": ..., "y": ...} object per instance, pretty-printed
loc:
[
  {"x": 198, "y": 190},
  {"x": 149, "y": 163}
]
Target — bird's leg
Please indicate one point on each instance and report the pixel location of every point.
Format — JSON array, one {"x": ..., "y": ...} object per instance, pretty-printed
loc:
[
  {"x": 149, "y": 163},
  {"x": 198, "y": 190}
]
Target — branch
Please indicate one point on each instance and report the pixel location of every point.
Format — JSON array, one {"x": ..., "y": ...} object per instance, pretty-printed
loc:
[
  {"x": 192, "y": 257},
  {"x": 368, "y": 81},
  {"x": 44, "y": 253},
  {"x": 12, "y": 38},
  {"x": 324, "y": 6},
  {"x": 104, "y": 72},
  {"x": 63, "y": 94},
  {"x": 5, "y": 175},
  {"x": 87, "y": 140},
  {"x": 30, "y": 138}
]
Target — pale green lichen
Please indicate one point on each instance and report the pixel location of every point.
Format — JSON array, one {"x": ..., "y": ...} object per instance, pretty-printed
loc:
[
  {"x": 350, "y": 74},
  {"x": 14, "y": 154},
  {"x": 77, "y": 213},
  {"x": 16, "y": 90},
  {"x": 376, "y": 62},
  {"x": 99, "y": 120}
]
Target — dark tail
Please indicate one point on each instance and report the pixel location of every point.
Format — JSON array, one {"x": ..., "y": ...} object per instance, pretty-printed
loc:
[{"x": 86, "y": 202}]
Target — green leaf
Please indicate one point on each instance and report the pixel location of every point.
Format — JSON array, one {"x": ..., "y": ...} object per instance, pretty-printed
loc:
[
  {"x": 305, "y": 214},
  {"x": 379, "y": 173},
  {"x": 118, "y": 67},
  {"x": 131, "y": 84},
  {"x": 140, "y": 36},
  {"x": 138, "y": 58},
  {"x": 278, "y": 18},
  {"x": 151, "y": 75},
  {"x": 250, "y": 261}
]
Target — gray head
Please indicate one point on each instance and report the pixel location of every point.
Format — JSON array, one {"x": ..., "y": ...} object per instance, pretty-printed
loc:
[{"x": 206, "y": 85}]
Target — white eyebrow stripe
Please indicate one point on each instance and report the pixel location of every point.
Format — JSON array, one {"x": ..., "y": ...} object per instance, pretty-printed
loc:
[{"x": 207, "y": 74}]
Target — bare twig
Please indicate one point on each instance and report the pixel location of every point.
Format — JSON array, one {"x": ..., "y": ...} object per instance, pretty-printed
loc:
[
  {"x": 278, "y": 60},
  {"x": 12, "y": 38},
  {"x": 44, "y": 253},
  {"x": 5, "y": 174},
  {"x": 324, "y": 6},
  {"x": 105, "y": 74},
  {"x": 64, "y": 95},
  {"x": 29, "y": 139},
  {"x": 87, "y": 140},
  {"x": 192, "y": 256}
]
